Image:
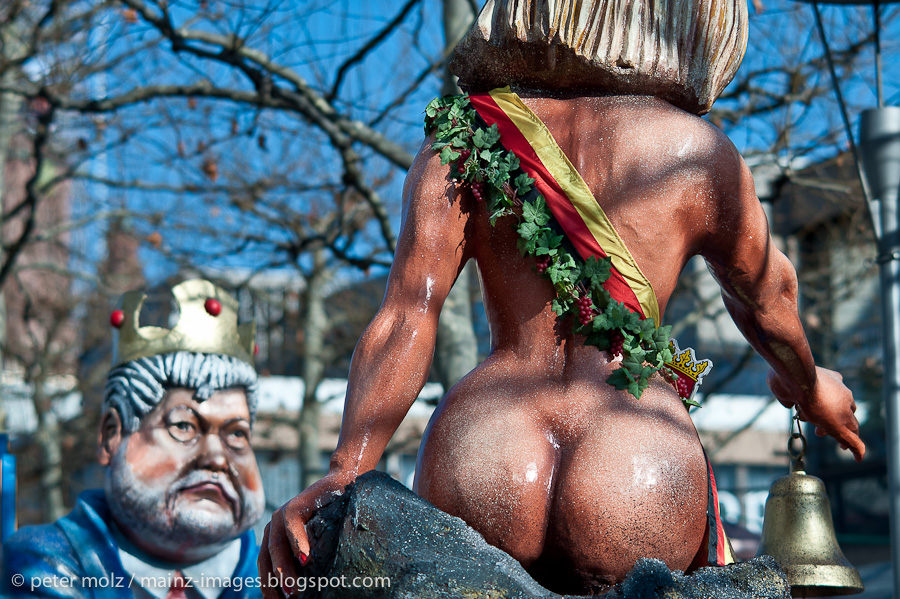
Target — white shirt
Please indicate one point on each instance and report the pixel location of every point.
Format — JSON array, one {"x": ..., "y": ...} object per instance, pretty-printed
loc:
[{"x": 151, "y": 578}]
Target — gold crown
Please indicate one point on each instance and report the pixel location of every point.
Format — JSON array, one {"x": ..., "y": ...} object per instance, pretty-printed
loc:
[
  {"x": 207, "y": 324},
  {"x": 685, "y": 362}
]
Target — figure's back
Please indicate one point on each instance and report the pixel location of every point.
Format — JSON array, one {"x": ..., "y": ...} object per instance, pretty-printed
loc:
[
  {"x": 579, "y": 446},
  {"x": 655, "y": 170}
]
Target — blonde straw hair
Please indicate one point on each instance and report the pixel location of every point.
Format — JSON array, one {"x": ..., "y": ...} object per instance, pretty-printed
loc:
[{"x": 685, "y": 51}]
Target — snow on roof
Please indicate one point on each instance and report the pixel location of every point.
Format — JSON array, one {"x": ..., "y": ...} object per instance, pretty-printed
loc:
[
  {"x": 727, "y": 412},
  {"x": 285, "y": 393},
  {"x": 724, "y": 412}
]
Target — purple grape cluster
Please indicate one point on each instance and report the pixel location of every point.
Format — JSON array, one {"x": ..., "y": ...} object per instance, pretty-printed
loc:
[
  {"x": 585, "y": 312},
  {"x": 461, "y": 161},
  {"x": 478, "y": 190},
  {"x": 543, "y": 263},
  {"x": 616, "y": 343},
  {"x": 683, "y": 386}
]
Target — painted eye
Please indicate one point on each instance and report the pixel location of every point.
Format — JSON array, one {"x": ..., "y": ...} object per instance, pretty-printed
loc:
[
  {"x": 182, "y": 431},
  {"x": 237, "y": 439}
]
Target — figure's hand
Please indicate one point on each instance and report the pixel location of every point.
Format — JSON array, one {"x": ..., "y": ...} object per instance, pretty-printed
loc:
[
  {"x": 830, "y": 408},
  {"x": 285, "y": 545}
]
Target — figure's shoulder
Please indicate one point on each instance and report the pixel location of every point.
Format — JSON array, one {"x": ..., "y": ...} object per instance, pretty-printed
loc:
[
  {"x": 638, "y": 127},
  {"x": 245, "y": 580},
  {"x": 43, "y": 539},
  {"x": 59, "y": 554},
  {"x": 692, "y": 142},
  {"x": 34, "y": 555},
  {"x": 249, "y": 552},
  {"x": 673, "y": 123}
]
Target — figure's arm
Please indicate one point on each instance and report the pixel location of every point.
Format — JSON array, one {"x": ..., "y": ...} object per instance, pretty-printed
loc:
[
  {"x": 392, "y": 359},
  {"x": 759, "y": 287}
]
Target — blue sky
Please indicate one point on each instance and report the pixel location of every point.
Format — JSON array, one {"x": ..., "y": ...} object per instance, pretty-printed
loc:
[{"x": 171, "y": 143}]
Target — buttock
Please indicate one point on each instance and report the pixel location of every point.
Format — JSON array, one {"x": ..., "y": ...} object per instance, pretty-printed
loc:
[
  {"x": 625, "y": 494},
  {"x": 585, "y": 490},
  {"x": 495, "y": 472}
]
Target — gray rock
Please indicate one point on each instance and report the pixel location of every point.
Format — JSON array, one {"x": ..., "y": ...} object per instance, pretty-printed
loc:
[
  {"x": 380, "y": 531},
  {"x": 759, "y": 578}
]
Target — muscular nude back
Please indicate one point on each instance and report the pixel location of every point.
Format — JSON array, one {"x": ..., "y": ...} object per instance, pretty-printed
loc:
[{"x": 656, "y": 171}]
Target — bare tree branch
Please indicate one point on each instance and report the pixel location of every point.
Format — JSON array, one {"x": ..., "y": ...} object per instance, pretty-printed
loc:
[
  {"x": 368, "y": 47},
  {"x": 12, "y": 250}
]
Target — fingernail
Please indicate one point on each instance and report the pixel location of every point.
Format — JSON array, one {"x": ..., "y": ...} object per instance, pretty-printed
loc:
[{"x": 303, "y": 559}]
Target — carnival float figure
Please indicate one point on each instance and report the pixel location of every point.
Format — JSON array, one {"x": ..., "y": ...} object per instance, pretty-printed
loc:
[
  {"x": 182, "y": 487},
  {"x": 578, "y": 175}
]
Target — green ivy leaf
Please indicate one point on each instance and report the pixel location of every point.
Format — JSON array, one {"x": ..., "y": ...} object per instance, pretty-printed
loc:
[
  {"x": 432, "y": 109},
  {"x": 448, "y": 155},
  {"x": 597, "y": 271},
  {"x": 478, "y": 139},
  {"x": 529, "y": 212},
  {"x": 665, "y": 354},
  {"x": 599, "y": 340},
  {"x": 638, "y": 354},
  {"x": 561, "y": 305},
  {"x": 558, "y": 274},
  {"x": 528, "y": 230},
  {"x": 619, "y": 379},
  {"x": 500, "y": 213},
  {"x": 566, "y": 261},
  {"x": 523, "y": 184},
  {"x": 492, "y": 135},
  {"x": 662, "y": 335},
  {"x": 634, "y": 388}
]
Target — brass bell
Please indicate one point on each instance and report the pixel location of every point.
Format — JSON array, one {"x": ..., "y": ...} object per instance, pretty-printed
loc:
[{"x": 799, "y": 533}]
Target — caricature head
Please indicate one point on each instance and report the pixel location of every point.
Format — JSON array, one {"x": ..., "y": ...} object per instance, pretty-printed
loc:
[
  {"x": 685, "y": 51},
  {"x": 181, "y": 477}
]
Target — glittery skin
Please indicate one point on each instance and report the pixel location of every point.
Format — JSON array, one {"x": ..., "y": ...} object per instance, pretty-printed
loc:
[{"x": 533, "y": 449}]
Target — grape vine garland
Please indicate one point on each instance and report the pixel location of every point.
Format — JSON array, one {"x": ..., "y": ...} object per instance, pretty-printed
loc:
[{"x": 477, "y": 158}]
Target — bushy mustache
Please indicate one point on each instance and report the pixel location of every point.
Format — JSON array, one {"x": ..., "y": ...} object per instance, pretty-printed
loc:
[{"x": 199, "y": 476}]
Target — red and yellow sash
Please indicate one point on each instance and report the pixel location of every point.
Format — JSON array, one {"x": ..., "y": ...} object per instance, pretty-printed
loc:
[{"x": 571, "y": 202}]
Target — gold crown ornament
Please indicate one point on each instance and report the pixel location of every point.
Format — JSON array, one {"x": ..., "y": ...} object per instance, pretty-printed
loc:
[
  {"x": 688, "y": 370},
  {"x": 207, "y": 324}
]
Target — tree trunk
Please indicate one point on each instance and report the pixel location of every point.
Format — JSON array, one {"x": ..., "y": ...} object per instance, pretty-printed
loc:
[
  {"x": 9, "y": 109},
  {"x": 315, "y": 324},
  {"x": 47, "y": 439},
  {"x": 456, "y": 351}
]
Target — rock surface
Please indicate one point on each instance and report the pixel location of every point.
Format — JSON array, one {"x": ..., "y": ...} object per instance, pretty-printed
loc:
[{"x": 379, "y": 528}]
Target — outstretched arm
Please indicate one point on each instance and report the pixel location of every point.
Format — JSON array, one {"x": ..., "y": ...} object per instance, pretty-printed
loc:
[
  {"x": 759, "y": 287},
  {"x": 392, "y": 359}
]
